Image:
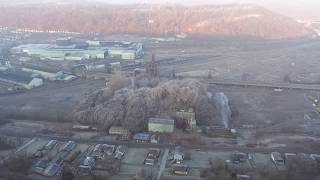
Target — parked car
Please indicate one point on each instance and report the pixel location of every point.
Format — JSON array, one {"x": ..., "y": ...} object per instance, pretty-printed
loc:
[
  {"x": 238, "y": 157},
  {"x": 277, "y": 158}
]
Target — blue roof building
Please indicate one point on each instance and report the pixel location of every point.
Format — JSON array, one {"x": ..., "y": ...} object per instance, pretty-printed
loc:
[{"x": 141, "y": 137}]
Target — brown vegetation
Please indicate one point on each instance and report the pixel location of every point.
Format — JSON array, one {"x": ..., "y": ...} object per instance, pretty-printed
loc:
[
  {"x": 118, "y": 81},
  {"x": 15, "y": 167},
  {"x": 228, "y": 20},
  {"x": 6, "y": 143}
]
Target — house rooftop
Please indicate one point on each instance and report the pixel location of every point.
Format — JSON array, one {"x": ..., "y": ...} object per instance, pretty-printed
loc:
[
  {"x": 118, "y": 130},
  {"x": 69, "y": 146},
  {"x": 51, "y": 170},
  {"x": 180, "y": 168},
  {"x": 141, "y": 136},
  {"x": 41, "y": 164}
]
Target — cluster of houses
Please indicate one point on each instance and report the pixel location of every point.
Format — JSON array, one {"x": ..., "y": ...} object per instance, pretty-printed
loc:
[
  {"x": 101, "y": 152},
  {"x": 52, "y": 157},
  {"x": 48, "y": 167}
]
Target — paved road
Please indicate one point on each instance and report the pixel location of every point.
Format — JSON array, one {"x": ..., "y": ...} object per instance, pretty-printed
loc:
[
  {"x": 26, "y": 145},
  {"x": 20, "y": 149},
  {"x": 148, "y": 145},
  {"x": 163, "y": 162}
]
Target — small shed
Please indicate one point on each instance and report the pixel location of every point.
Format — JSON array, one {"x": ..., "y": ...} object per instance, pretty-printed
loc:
[
  {"x": 243, "y": 177},
  {"x": 181, "y": 170},
  {"x": 154, "y": 139},
  {"x": 277, "y": 158},
  {"x": 118, "y": 130},
  {"x": 141, "y": 137}
]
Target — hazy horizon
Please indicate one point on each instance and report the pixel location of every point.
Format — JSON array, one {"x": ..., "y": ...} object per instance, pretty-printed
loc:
[
  {"x": 298, "y": 9},
  {"x": 294, "y": 8}
]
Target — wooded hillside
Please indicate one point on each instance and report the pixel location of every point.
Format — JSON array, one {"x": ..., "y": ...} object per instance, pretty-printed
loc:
[{"x": 224, "y": 20}]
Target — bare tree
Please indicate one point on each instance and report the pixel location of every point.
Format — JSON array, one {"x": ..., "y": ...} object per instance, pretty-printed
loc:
[
  {"x": 118, "y": 81},
  {"x": 132, "y": 107}
]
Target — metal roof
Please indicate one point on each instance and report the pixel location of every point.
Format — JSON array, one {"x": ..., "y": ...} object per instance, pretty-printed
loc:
[
  {"x": 15, "y": 78},
  {"x": 51, "y": 170},
  {"x": 118, "y": 130},
  {"x": 161, "y": 121},
  {"x": 141, "y": 136},
  {"x": 69, "y": 146},
  {"x": 180, "y": 168}
]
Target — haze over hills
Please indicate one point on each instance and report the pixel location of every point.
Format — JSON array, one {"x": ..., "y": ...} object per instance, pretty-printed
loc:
[
  {"x": 213, "y": 20},
  {"x": 307, "y": 10}
]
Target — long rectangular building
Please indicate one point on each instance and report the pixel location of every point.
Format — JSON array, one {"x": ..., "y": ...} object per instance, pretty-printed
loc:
[
  {"x": 66, "y": 49},
  {"x": 20, "y": 80},
  {"x": 161, "y": 125}
]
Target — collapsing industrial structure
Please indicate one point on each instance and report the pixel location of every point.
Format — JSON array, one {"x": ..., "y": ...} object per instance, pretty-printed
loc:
[{"x": 76, "y": 50}]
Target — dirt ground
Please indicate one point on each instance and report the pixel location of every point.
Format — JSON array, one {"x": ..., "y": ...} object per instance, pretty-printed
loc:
[
  {"x": 271, "y": 119},
  {"x": 250, "y": 60},
  {"x": 261, "y": 116},
  {"x": 52, "y": 102}
]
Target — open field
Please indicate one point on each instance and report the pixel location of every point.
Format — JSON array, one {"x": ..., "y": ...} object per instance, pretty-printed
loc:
[
  {"x": 272, "y": 119},
  {"x": 262, "y": 116},
  {"x": 53, "y": 102},
  {"x": 245, "y": 60}
]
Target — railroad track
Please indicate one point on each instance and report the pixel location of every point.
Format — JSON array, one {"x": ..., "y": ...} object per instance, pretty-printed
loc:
[
  {"x": 161, "y": 62},
  {"x": 312, "y": 87}
]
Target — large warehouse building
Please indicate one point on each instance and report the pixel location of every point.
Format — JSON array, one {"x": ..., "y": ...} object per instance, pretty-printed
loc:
[
  {"x": 54, "y": 52},
  {"x": 120, "y": 49},
  {"x": 66, "y": 49}
]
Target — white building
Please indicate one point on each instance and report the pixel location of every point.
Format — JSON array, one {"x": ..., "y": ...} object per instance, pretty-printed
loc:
[{"x": 21, "y": 80}]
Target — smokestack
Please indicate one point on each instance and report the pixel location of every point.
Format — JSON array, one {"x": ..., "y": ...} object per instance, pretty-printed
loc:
[
  {"x": 153, "y": 57},
  {"x": 133, "y": 82}
]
